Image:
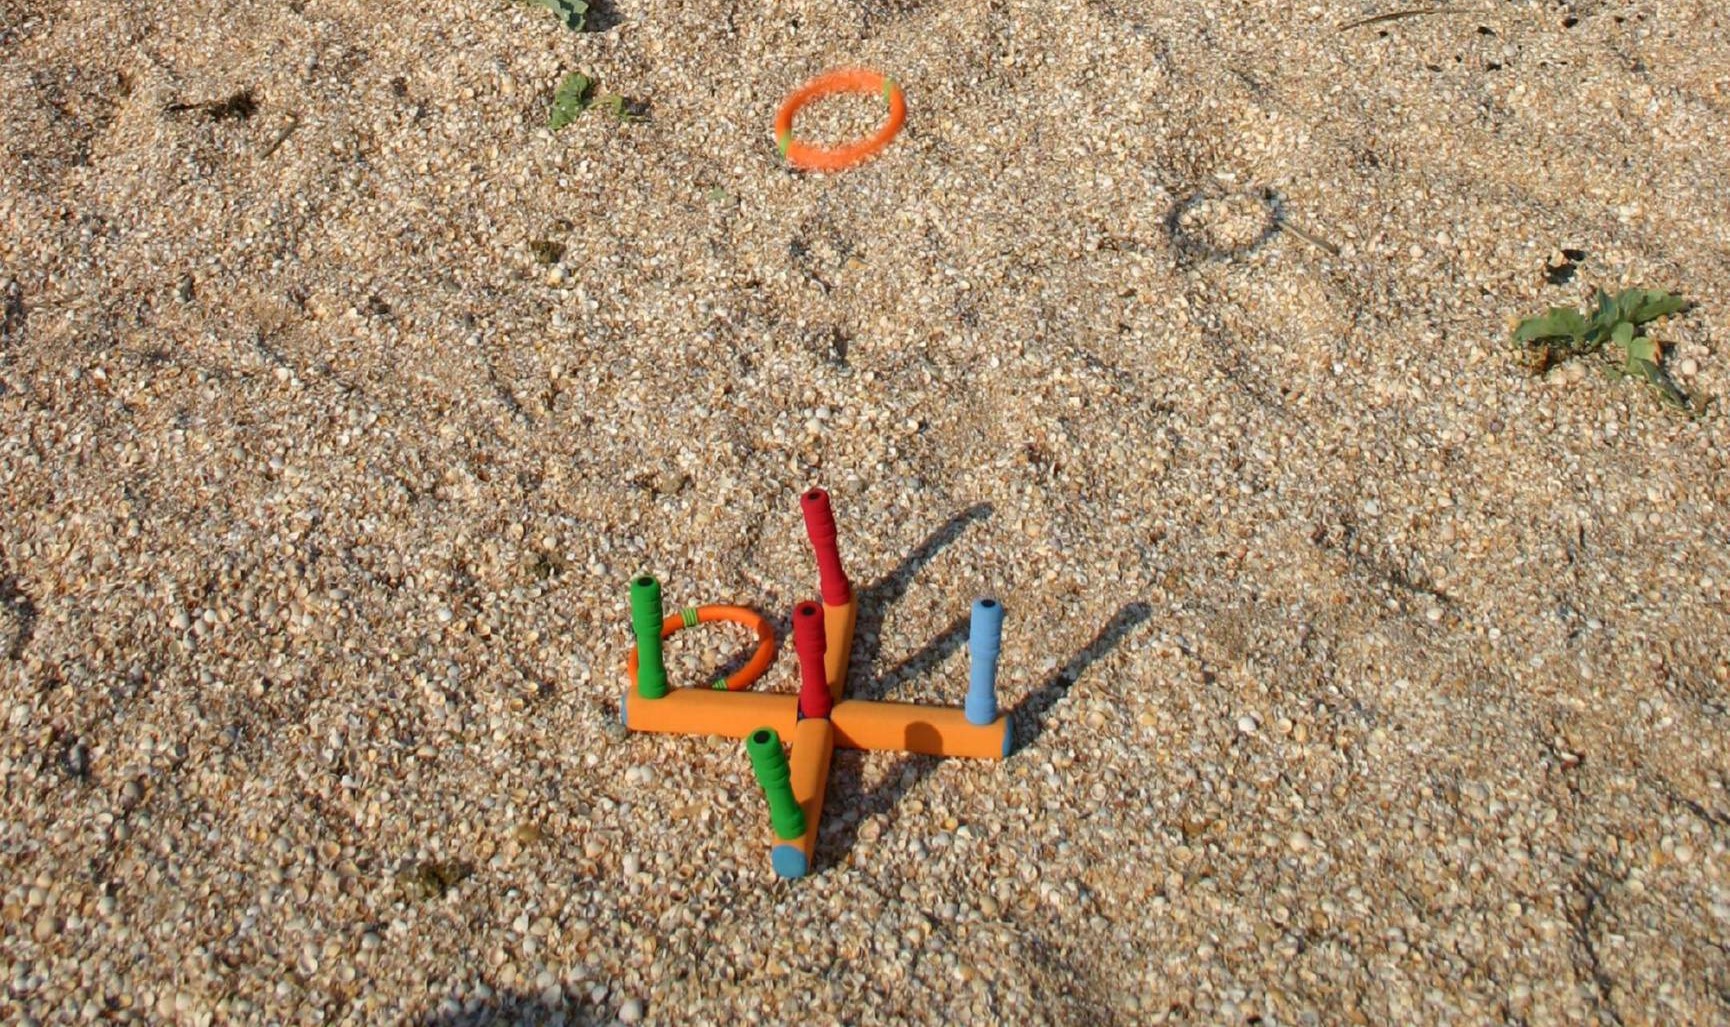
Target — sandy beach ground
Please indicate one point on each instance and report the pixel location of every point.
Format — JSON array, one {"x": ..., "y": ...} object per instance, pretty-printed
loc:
[{"x": 1363, "y": 676}]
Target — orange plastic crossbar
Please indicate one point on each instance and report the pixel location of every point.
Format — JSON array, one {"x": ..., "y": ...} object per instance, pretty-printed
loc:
[
  {"x": 813, "y": 743},
  {"x": 705, "y": 711},
  {"x": 904, "y": 727},
  {"x": 838, "y": 627}
]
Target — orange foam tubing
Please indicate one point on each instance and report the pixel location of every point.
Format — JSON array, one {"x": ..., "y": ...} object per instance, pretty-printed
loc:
[
  {"x": 903, "y": 727},
  {"x": 708, "y": 711},
  {"x": 813, "y": 742},
  {"x": 753, "y": 668},
  {"x": 838, "y": 627},
  {"x": 840, "y": 158}
]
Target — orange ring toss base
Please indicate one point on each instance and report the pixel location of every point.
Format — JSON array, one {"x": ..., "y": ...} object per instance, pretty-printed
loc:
[
  {"x": 751, "y": 671},
  {"x": 831, "y": 83},
  {"x": 858, "y": 723}
]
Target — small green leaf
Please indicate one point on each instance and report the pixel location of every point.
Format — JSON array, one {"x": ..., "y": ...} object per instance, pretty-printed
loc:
[
  {"x": 1643, "y": 348},
  {"x": 1655, "y": 376},
  {"x": 574, "y": 13},
  {"x": 1637, "y": 368},
  {"x": 1623, "y": 335},
  {"x": 1605, "y": 312},
  {"x": 571, "y": 99},
  {"x": 1626, "y": 302},
  {"x": 618, "y": 108},
  {"x": 1557, "y": 323},
  {"x": 1643, "y": 305}
]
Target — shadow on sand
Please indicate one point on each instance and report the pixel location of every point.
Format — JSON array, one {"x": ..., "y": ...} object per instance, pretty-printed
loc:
[{"x": 1027, "y": 719}]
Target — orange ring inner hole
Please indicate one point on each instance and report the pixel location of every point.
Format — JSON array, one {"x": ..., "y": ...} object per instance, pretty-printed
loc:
[{"x": 753, "y": 668}]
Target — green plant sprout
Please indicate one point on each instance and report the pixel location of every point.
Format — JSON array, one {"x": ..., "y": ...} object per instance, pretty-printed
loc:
[
  {"x": 1563, "y": 332},
  {"x": 576, "y": 94},
  {"x": 619, "y": 108},
  {"x": 574, "y": 13},
  {"x": 570, "y": 100}
]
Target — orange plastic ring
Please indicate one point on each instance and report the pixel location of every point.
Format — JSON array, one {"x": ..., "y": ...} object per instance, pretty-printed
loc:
[
  {"x": 753, "y": 669},
  {"x": 844, "y": 80}
]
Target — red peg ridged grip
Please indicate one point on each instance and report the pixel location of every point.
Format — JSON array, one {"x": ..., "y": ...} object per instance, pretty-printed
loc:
[
  {"x": 820, "y": 525},
  {"x": 810, "y": 643}
]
